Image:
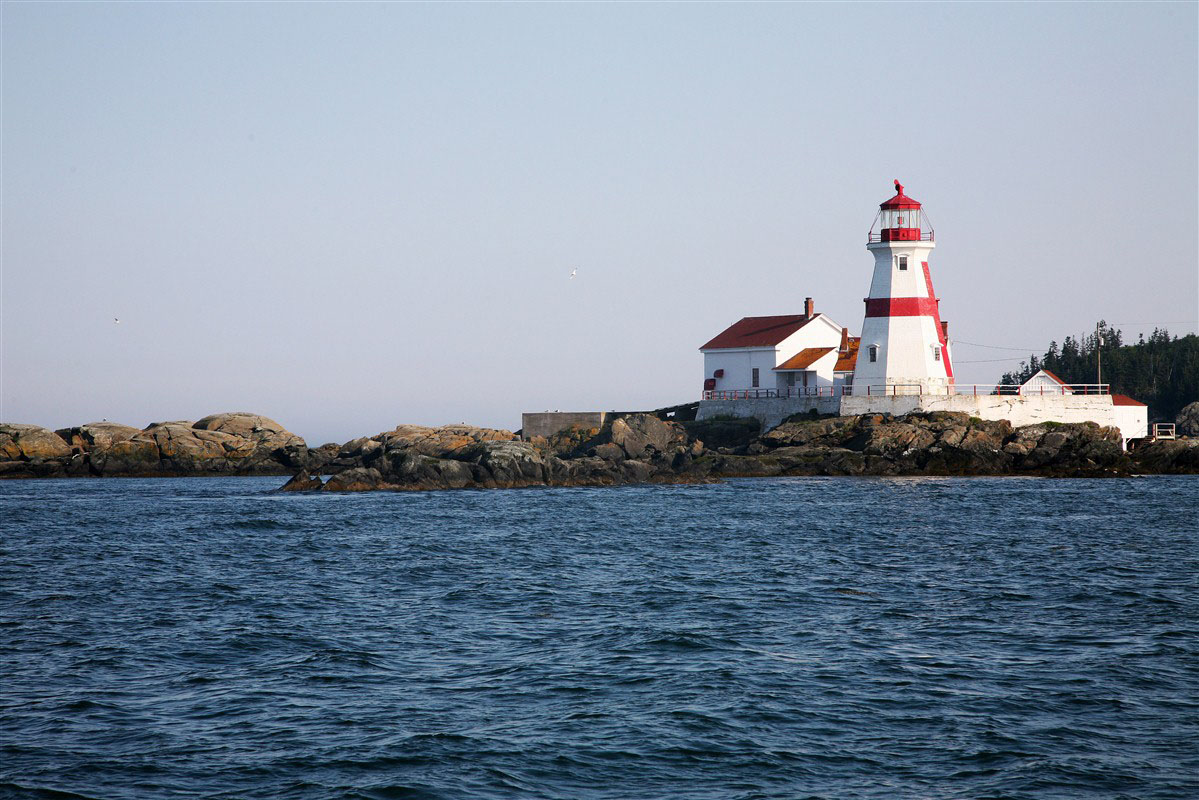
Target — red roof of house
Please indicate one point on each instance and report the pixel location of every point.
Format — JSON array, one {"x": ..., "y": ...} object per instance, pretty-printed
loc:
[
  {"x": 1125, "y": 400},
  {"x": 1056, "y": 378},
  {"x": 805, "y": 358},
  {"x": 847, "y": 360},
  {"x": 758, "y": 331}
]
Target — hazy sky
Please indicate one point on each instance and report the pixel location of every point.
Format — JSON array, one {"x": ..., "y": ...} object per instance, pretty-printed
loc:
[{"x": 348, "y": 216}]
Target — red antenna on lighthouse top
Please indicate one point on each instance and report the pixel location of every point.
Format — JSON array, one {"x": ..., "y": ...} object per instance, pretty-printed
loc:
[{"x": 900, "y": 200}]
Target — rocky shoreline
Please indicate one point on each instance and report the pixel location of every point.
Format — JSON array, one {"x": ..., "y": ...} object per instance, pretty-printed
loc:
[
  {"x": 236, "y": 443},
  {"x": 631, "y": 448}
]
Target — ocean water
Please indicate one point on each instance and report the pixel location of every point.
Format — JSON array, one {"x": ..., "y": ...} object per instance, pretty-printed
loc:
[{"x": 789, "y": 638}]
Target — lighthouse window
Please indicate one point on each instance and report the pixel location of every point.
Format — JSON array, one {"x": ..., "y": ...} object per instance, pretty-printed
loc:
[
  {"x": 874, "y": 352},
  {"x": 903, "y": 263},
  {"x": 936, "y": 353}
]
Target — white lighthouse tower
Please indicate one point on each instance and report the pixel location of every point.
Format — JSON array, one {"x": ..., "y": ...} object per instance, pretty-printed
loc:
[{"x": 905, "y": 347}]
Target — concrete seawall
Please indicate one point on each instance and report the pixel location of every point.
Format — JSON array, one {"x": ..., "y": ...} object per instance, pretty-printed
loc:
[
  {"x": 547, "y": 423},
  {"x": 1018, "y": 409},
  {"x": 770, "y": 411}
]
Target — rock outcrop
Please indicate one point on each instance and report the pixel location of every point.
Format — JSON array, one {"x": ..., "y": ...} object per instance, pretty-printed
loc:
[
  {"x": 639, "y": 448},
  {"x": 29, "y": 451},
  {"x": 1187, "y": 421},
  {"x": 630, "y": 448},
  {"x": 634, "y": 448},
  {"x": 301, "y": 482},
  {"x": 97, "y": 435},
  {"x": 1168, "y": 456},
  {"x": 936, "y": 443},
  {"x": 222, "y": 444}
]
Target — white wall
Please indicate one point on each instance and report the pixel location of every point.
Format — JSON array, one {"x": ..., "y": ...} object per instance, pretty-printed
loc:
[
  {"x": 907, "y": 346},
  {"x": 823, "y": 366},
  {"x": 738, "y": 363},
  {"x": 735, "y": 364},
  {"x": 738, "y": 367},
  {"x": 888, "y": 280},
  {"x": 1133, "y": 421}
]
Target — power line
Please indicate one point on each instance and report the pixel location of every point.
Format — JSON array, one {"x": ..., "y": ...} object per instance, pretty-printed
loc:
[
  {"x": 990, "y": 360},
  {"x": 1081, "y": 337},
  {"x": 996, "y": 347}
]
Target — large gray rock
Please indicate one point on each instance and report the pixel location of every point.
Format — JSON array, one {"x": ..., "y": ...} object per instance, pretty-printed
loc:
[
  {"x": 1187, "y": 421},
  {"x": 31, "y": 451},
  {"x": 246, "y": 425},
  {"x": 97, "y": 435},
  {"x": 1172, "y": 456},
  {"x": 319, "y": 458},
  {"x": 302, "y": 482},
  {"x": 355, "y": 447},
  {"x": 31, "y": 443},
  {"x": 644, "y": 435},
  {"x": 220, "y": 444},
  {"x": 174, "y": 448},
  {"x": 359, "y": 479},
  {"x": 273, "y": 444},
  {"x": 447, "y": 441},
  {"x": 513, "y": 463}
]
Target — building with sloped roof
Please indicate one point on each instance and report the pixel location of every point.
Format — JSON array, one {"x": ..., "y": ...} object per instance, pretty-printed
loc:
[{"x": 784, "y": 355}]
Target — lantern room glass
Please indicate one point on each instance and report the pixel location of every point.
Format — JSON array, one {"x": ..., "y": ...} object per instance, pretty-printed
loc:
[{"x": 901, "y": 218}]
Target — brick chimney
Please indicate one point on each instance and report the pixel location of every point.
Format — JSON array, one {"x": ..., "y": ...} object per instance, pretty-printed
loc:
[
  {"x": 845, "y": 340},
  {"x": 809, "y": 308},
  {"x": 945, "y": 328}
]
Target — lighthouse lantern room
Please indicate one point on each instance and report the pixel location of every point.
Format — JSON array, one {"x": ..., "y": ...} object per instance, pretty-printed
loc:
[
  {"x": 904, "y": 346},
  {"x": 901, "y": 219}
]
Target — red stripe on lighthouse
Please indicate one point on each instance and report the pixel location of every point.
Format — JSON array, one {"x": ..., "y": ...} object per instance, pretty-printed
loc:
[
  {"x": 928, "y": 282},
  {"x": 915, "y": 307},
  {"x": 901, "y": 307}
]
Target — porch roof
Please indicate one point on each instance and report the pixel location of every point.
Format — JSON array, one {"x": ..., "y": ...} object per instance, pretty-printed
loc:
[{"x": 804, "y": 359}]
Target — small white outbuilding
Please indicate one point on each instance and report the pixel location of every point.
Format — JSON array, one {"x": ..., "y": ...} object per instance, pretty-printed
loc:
[{"x": 1045, "y": 382}]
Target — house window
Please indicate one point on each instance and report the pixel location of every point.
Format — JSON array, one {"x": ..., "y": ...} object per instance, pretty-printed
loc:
[
  {"x": 903, "y": 263},
  {"x": 874, "y": 352},
  {"x": 790, "y": 378},
  {"x": 755, "y": 377},
  {"x": 936, "y": 353}
]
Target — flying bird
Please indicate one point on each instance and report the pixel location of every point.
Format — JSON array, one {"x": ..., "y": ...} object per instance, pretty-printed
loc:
[
  {"x": 574, "y": 272},
  {"x": 116, "y": 321}
]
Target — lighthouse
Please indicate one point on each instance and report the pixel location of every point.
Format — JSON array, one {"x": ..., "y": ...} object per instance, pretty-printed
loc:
[{"x": 904, "y": 349}]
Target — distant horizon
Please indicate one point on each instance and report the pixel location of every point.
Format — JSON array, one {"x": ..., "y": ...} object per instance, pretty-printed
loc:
[
  {"x": 346, "y": 218},
  {"x": 513, "y": 427}
]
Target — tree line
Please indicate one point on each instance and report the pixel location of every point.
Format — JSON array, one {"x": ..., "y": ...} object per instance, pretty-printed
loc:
[{"x": 1160, "y": 371}]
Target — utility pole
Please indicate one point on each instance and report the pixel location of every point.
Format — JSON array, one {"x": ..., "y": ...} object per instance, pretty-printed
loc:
[{"x": 1098, "y": 355}]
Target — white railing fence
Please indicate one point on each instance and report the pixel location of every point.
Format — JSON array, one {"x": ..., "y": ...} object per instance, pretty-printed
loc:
[{"x": 910, "y": 390}]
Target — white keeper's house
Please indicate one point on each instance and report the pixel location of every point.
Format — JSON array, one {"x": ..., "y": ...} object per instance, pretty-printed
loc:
[
  {"x": 774, "y": 367},
  {"x": 790, "y": 355}
]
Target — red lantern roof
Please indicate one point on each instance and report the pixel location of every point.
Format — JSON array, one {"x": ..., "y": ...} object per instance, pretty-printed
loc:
[{"x": 900, "y": 200}]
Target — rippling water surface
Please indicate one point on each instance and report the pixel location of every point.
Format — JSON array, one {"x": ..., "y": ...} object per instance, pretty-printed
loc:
[{"x": 823, "y": 638}]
